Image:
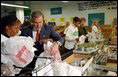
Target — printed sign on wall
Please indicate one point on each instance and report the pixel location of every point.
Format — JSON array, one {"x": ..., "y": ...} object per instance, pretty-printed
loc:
[
  {"x": 62, "y": 19},
  {"x": 46, "y": 21},
  {"x": 52, "y": 20},
  {"x": 71, "y": 18},
  {"x": 55, "y": 11}
]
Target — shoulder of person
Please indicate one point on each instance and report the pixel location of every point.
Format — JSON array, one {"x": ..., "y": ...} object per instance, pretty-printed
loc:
[
  {"x": 79, "y": 27},
  {"x": 47, "y": 27},
  {"x": 94, "y": 26},
  {"x": 70, "y": 27},
  {"x": 3, "y": 38},
  {"x": 30, "y": 27}
]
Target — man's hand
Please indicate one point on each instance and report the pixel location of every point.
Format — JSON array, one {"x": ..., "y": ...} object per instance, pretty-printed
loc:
[
  {"x": 99, "y": 30},
  {"x": 54, "y": 48},
  {"x": 5, "y": 70},
  {"x": 45, "y": 41}
]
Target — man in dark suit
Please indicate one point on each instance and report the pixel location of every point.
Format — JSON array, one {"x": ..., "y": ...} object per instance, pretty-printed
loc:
[{"x": 41, "y": 33}]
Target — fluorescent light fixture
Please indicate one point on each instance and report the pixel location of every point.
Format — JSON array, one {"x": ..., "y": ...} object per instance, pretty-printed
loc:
[
  {"x": 65, "y": 1},
  {"x": 11, "y": 5}
]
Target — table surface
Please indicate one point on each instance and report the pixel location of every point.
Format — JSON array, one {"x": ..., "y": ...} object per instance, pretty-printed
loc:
[{"x": 71, "y": 58}]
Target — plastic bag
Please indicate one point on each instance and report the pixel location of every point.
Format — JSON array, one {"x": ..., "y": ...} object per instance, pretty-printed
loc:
[
  {"x": 110, "y": 73},
  {"x": 45, "y": 66},
  {"x": 82, "y": 39},
  {"x": 18, "y": 50},
  {"x": 69, "y": 70},
  {"x": 41, "y": 62},
  {"x": 57, "y": 67},
  {"x": 56, "y": 55}
]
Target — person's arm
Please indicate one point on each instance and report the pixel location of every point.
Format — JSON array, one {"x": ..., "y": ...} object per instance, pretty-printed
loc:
[
  {"x": 94, "y": 28},
  {"x": 79, "y": 31},
  {"x": 86, "y": 32},
  {"x": 56, "y": 37},
  {"x": 5, "y": 70},
  {"x": 58, "y": 41}
]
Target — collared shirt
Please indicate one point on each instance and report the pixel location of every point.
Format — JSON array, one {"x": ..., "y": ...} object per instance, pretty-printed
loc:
[
  {"x": 71, "y": 33},
  {"x": 34, "y": 33}
]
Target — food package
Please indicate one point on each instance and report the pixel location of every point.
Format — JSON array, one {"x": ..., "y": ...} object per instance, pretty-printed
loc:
[{"x": 56, "y": 55}]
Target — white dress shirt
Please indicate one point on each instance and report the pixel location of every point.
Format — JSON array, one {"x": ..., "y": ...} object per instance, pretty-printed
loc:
[{"x": 34, "y": 34}]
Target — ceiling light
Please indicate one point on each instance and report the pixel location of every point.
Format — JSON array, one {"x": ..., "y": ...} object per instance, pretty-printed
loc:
[
  {"x": 65, "y": 1},
  {"x": 11, "y": 5}
]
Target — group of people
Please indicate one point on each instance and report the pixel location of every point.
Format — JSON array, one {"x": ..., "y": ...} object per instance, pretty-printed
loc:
[
  {"x": 38, "y": 31},
  {"x": 42, "y": 33},
  {"x": 76, "y": 30}
]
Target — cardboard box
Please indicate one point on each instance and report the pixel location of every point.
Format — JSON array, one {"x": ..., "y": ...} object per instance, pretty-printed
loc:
[
  {"x": 107, "y": 32},
  {"x": 114, "y": 40}
]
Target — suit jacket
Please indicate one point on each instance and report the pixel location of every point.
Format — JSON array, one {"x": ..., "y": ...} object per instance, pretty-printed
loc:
[{"x": 45, "y": 33}]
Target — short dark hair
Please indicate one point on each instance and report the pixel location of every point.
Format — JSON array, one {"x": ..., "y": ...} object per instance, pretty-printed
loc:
[
  {"x": 76, "y": 19},
  {"x": 8, "y": 20},
  {"x": 37, "y": 13},
  {"x": 83, "y": 19}
]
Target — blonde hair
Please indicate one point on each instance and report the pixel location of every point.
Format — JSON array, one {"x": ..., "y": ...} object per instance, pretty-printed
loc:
[{"x": 94, "y": 22}]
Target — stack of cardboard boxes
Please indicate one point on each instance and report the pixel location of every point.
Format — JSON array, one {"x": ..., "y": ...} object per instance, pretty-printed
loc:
[{"x": 114, "y": 32}]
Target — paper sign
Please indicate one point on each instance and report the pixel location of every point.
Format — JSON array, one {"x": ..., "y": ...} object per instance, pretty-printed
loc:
[
  {"x": 52, "y": 20},
  {"x": 71, "y": 18},
  {"x": 62, "y": 19},
  {"x": 46, "y": 21}
]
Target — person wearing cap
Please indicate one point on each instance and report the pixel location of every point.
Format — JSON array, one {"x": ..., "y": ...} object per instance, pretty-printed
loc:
[
  {"x": 41, "y": 34},
  {"x": 10, "y": 26},
  {"x": 71, "y": 35}
]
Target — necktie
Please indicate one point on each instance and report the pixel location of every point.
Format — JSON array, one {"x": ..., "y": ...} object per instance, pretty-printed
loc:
[{"x": 37, "y": 36}]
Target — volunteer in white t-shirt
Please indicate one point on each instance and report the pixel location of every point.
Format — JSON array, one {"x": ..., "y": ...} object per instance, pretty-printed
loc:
[
  {"x": 95, "y": 28},
  {"x": 71, "y": 34}
]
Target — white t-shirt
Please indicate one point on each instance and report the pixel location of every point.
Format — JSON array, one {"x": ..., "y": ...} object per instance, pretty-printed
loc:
[
  {"x": 3, "y": 38},
  {"x": 71, "y": 33},
  {"x": 94, "y": 29},
  {"x": 3, "y": 58},
  {"x": 95, "y": 32}
]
